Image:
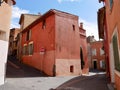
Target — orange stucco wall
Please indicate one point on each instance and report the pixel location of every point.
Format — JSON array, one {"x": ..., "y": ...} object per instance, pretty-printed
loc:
[
  {"x": 61, "y": 42},
  {"x": 83, "y": 44},
  {"x": 5, "y": 19},
  {"x": 67, "y": 46},
  {"x": 113, "y": 21},
  {"x": 42, "y": 38}
]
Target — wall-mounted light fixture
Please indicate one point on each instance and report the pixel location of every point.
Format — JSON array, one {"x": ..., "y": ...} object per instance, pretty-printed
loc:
[{"x": 1, "y": 1}]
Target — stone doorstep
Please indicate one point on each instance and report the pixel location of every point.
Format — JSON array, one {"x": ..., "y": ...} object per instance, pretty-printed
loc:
[{"x": 111, "y": 86}]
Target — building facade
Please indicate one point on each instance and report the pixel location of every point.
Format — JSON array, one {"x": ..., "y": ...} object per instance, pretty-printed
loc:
[
  {"x": 5, "y": 18},
  {"x": 109, "y": 25},
  {"x": 13, "y": 42},
  {"x": 83, "y": 50},
  {"x": 52, "y": 44},
  {"x": 98, "y": 56}
]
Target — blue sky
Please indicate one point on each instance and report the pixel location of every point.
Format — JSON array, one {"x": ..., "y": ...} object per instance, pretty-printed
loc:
[{"x": 85, "y": 9}]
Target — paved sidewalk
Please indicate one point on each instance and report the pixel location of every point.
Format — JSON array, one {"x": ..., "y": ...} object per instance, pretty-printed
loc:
[
  {"x": 95, "y": 82},
  {"x": 38, "y": 83}
]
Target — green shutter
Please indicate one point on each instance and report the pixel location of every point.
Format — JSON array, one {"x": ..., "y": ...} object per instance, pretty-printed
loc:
[{"x": 111, "y": 3}]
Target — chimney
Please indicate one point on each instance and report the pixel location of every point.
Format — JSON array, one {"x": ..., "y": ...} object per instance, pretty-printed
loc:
[
  {"x": 81, "y": 25},
  {"x": 39, "y": 13}
]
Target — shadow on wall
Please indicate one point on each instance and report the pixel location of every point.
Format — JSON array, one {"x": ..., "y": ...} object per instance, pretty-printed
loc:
[{"x": 16, "y": 69}]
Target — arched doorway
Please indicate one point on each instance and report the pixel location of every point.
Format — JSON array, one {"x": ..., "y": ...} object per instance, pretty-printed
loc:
[{"x": 81, "y": 58}]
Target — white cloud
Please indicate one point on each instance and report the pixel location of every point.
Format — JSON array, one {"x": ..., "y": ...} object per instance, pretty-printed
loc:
[
  {"x": 90, "y": 27},
  {"x": 16, "y": 13},
  {"x": 68, "y": 1}
]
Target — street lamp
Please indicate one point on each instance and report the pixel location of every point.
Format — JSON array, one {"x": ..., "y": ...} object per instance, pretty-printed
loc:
[{"x": 1, "y": 1}]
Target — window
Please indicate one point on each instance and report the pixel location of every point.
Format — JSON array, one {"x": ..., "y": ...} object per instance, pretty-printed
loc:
[
  {"x": 101, "y": 51},
  {"x": 102, "y": 64},
  {"x": 116, "y": 52},
  {"x": 71, "y": 69},
  {"x": 93, "y": 52},
  {"x": 73, "y": 27},
  {"x": 44, "y": 24},
  {"x": 111, "y": 3},
  {"x": 30, "y": 48},
  {"x": 28, "y": 35},
  {"x": 2, "y": 35},
  {"x": 25, "y": 49}
]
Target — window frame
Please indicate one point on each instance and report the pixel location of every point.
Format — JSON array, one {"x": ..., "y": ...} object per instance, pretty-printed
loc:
[
  {"x": 73, "y": 27},
  {"x": 111, "y": 4},
  {"x": 44, "y": 24},
  {"x": 25, "y": 49},
  {"x": 94, "y": 52},
  {"x": 28, "y": 36},
  {"x": 30, "y": 52}
]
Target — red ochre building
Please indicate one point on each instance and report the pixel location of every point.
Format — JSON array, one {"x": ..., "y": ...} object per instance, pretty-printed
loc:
[
  {"x": 98, "y": 57},
  {"x": 52, "y": 43},
  {"x": 109, "y": 30}
]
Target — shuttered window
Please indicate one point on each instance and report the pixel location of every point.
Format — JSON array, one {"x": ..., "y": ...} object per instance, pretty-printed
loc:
[
  {"x": 111, "y": 3},
  {"x": 31, "y": 49},
  {"x": 116, "y": 52}
]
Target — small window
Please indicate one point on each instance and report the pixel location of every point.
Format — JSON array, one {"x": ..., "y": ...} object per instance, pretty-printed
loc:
[
  {"x": 93, "y": 52},
  {"x": 2, "y": 35},
  {"x": 101, "y": 51},
  {"x": 71, "y": 69},
  {"x": 44, "y": 24},
  {"x": 28, "y": 35},
  {"x": 30, "y": 49},
  {"x": 73, "y": 27},
  {"x": 25, "y": 50},
  {"x": 102, "y": 64},
  {"x": 111, "y": 3}
]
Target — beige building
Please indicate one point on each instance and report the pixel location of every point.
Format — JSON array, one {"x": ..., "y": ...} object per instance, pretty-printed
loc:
[{"x": 5, "y": 18}]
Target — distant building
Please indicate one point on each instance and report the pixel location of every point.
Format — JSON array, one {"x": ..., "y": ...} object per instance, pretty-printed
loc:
[
  {"x": 96, "y": 55},
  {"x": 13, "y": 42},
  {"x": 52, "y": 44},
  {"x": 5, "y": 18},
  {"x": 109, "y": 30}
]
